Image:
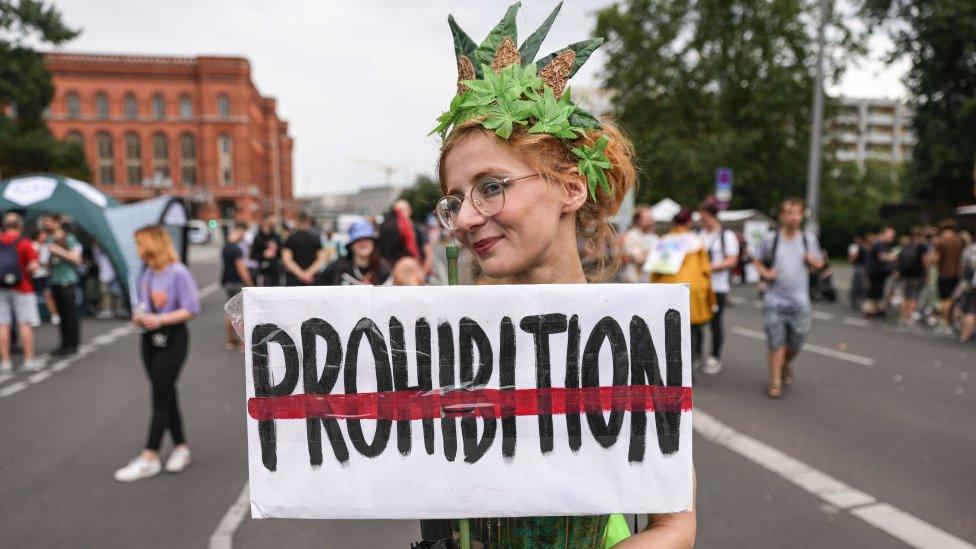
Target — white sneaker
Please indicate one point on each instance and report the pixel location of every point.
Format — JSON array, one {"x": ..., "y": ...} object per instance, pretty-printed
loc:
[
  {"x": 712, "y": 366},
  {"x": 138, "y": 469},
  {"x": 6, "y": 366},
  {"x": 33, "y": 365},
  {"x": 55, "y": 320},
  {"x": 178, "y": 460}
]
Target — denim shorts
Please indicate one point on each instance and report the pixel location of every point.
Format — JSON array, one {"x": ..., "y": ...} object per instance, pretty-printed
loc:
[
  {"x": 786, "y": 326},
  {"x": 22, "y": 304}
]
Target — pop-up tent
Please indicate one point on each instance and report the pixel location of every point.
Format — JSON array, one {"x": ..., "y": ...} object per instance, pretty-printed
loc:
[{"x": 109, "y": 223}]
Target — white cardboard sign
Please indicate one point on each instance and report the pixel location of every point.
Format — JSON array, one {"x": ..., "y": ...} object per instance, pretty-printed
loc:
[{"x": 468, "y": 401}]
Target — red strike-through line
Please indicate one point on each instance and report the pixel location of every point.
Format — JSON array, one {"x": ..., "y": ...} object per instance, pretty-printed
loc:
[{"x": 487, "y": 403}]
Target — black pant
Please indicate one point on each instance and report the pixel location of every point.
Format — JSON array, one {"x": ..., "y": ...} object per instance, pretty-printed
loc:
[
  {"x": 163, "y": 365},
  {"x": 697, "y": 335},
  {"x": 718, "y": 332},
  {"x": 64, "y": 299}
]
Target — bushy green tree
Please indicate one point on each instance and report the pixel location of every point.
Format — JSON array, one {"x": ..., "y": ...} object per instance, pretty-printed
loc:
[
  {"x": 26, "y": 144},
  {"x": 422, "y": 196},
  {"x": 938, "y": 37},
  {"x": 852, "y": 201},
  {"x": 700, "y": 84}
]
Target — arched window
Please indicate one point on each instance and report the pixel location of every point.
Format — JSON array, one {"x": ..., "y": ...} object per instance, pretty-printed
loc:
[
  {"x": 188, "y": 159},
  {"x": 186, "y": 107},
  {"x": 101, "y": 105},
  {"x": 133, "y": 159},
  {"x": 130, "y": 106},
  {"x": 73, "y": 105},
  {"x": 160, "y": 147},
  {"x": 223, "y": 106},
  {"x": 158, "y": 107},
  {"x": 225, "y": 158},
  {"x": 106, "y": 159}
]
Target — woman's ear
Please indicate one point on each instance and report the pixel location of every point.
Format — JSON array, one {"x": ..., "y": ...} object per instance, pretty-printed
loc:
[{"x": 576, "y": 191}]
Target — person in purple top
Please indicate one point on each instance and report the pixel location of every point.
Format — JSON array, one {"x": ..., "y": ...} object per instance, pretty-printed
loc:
[{"x": 166, "y": 300}]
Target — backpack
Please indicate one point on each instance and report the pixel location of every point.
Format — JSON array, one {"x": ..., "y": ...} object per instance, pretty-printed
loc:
[
  {"x": 10, "y": 271},
  {"x": 910, "y": 260}
]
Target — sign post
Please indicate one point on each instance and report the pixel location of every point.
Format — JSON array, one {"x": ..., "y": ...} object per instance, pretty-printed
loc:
[{"x": 723, "y": 187}]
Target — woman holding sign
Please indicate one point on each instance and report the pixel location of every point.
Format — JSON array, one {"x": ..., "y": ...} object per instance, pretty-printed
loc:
[{"x": 525, "y": 174}]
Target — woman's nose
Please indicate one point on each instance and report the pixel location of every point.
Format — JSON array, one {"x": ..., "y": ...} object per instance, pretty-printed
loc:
[{"x": 469, "y": 217}]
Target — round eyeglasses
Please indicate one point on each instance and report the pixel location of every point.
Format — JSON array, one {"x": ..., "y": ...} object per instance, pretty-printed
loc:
[{"x": 487, "y": 196}]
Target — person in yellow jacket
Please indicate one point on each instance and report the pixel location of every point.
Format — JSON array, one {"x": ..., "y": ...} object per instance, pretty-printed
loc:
[{"x": 681, "y": 258}]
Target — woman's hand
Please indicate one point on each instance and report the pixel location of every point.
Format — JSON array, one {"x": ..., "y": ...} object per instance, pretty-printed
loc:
[
  {"x": 668, "y": 531},
  {"x": 151, "y": 322}
]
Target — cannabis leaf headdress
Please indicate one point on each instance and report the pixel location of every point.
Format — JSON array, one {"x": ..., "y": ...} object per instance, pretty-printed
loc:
[{"x": 503, "y": 87}]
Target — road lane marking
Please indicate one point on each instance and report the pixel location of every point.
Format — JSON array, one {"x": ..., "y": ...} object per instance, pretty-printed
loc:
[
  {"x": 821, "y": 315},
  {"x": 223, "y": 536},
  {"x": 810, "y": 347},
  {"x": 13, "y": 388},
  {"x": 39, "y": 376},
  {"x": 853, "y": 321},
  {"x": 904, "y": 526}
]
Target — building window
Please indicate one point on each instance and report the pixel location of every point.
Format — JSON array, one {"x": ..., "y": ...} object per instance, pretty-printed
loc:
[
  {"x": 130, "y": 106},
  {"x": 160, "y": 155},
  {"x": 101, "y": 105},
  {"x": 74, "y": 105},
  {"x": 133, "y": 159},
  {"x": 158, "y": 107},
  {"x": 225, "y": 157},
  {"x": 74, "y": 136},
  {"x": 223, "y": 106},
  {"x": 106, "y": 160},
  {"x": 188, "y": 159},
  {"x": 186, "y": 107}
]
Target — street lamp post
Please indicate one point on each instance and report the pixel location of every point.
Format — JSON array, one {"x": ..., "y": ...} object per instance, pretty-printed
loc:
[{"x": 816, "y": 124}]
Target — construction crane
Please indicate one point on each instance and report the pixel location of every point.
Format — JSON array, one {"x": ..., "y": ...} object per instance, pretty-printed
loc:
[{"x": 387, "y": 169}]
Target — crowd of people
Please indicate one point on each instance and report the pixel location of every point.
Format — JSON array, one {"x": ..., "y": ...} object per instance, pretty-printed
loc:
[{"x": 925, "y": 277}]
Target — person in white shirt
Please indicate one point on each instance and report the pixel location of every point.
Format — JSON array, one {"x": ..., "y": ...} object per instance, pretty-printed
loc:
[
  {"x": 638, "y": 241},
  {"x": 723, "y": 253}
]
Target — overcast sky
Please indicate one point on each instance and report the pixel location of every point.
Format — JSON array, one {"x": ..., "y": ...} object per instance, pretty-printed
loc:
[{"x": 357, "y": 80}]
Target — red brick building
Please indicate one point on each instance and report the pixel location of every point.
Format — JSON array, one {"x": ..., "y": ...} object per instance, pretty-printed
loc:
[{"x": 191, "y": 126}]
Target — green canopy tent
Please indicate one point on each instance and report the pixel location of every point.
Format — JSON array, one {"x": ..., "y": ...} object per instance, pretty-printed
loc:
[{"x": 108, "y": 222}]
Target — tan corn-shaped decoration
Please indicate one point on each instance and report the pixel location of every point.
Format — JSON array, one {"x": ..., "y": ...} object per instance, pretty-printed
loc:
[
  {"x": 556, "y": 73},
  {"x": 506, "y": 54},
  {"x": 465, "y": 72}
]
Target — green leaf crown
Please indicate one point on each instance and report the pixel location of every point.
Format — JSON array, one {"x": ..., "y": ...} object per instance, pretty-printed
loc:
[{"x": 503, "y": 87}]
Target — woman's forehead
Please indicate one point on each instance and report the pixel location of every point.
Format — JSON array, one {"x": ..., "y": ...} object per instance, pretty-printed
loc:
[{"x": 475, "y": 156}]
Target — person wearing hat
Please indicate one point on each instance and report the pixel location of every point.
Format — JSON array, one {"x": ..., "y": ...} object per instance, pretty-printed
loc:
[{"x": 362, "y": 263}]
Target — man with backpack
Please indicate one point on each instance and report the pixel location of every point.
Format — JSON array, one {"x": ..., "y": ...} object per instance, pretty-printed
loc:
[
  {"x": 723, "y": 253},
  {"x": 18, "y": 259},
  {"x": 784, "y": 261},
  {"x": 910, "y": 265}
]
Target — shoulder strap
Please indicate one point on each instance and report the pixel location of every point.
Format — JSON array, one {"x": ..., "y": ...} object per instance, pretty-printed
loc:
[{"x": 771, "y": 258}]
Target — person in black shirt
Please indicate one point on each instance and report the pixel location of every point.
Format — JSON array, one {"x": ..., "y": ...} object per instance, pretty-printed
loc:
[
  {"x": 266, "y": 253},
  {"x": 880, "y": 259},
  {"x": 401, "y": 237},
  {"x": 303, "y": 255},
  {"x": 234, "y": 275},
  {"x": 362, "y": 264}
]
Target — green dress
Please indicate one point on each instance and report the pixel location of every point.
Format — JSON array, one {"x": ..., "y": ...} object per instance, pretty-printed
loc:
[{"x": 540, "y": 532}]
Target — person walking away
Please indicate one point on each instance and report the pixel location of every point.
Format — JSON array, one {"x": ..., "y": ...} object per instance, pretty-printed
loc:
[
  {"x": 681, "y": 258},
  {"x": 967, "y": 301},
  {"x": 110, "y": 303},
  {"x": 784, "y": 261},
  {"x": 234, "y": 275},
  {"x": 362, "y": 263},
  {"x": 302, "y": 254},
  {"x": 638, "y": 241},
  {"x": 857, "y": 256},
  {"x": 266, "y": 252},
  {"x": 879, "y": 266},
  {"x": 910, "y": 266},
  {"x": 167, "y": 299},
  {"x": 401, "y": 237},
  {"x": 946, "y": 254},
  {"x": 65, "y": 258},
  {"x": 723, "y": 253},
  {"x": 18, "y": 259}
]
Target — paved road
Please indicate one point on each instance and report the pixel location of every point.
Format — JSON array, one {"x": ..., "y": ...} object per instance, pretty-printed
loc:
[{"x": 873, "y": 447}]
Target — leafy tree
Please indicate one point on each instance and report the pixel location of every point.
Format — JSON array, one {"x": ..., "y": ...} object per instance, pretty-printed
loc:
[
  {"x": 700, "y": 84},
  {"x": 852, "y": 200},
  {"x": 937, "y": 36},
  {"x": 26, "y": 144},
  {"x": 422, "y": 196}
]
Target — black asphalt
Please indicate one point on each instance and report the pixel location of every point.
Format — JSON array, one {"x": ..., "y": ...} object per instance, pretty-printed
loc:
[{"x": 900, "y": 430}]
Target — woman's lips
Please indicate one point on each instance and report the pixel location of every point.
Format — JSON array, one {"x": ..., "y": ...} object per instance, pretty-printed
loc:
[{"x": 482, "y": 246}]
